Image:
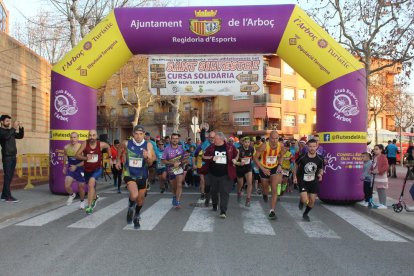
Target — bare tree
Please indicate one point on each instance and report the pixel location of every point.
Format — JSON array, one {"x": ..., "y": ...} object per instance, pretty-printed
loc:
[
  {"x": 175, "y": 104},
  {"x": 133, "y": 74},
  {"x": 382, "y": 29}
]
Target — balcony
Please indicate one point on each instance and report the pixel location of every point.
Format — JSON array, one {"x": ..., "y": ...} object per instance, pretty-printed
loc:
[
  {"x": 125, "y": 121},
  {"x": 267, "y": 98},
  {"x": 102, "y": 121},
  {"x": 164, "y": 117},
  {"x": 130, "y": 99},
  {"x": 271, "y": 74}
]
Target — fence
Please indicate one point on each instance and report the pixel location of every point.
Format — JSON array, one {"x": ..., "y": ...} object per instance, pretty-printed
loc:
[{"x": 33, "y": 166}]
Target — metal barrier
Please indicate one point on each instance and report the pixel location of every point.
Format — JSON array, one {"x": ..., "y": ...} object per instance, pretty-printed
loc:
[{"x": 37, "y": 165}]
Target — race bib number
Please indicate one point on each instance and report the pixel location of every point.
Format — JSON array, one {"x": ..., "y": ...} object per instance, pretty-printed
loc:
[
  {"x": 271, "y": 160},
  {"x": 177, "y": 171},
  {"x": 308, "y": 177},
  {"x": 221, "y": 159},
  {"x": 93, "y": 159},
  {"x": 160, "y": 165},
  {"x": 135, "y": 162},
  {"x": 246, "y": 160},
  {"x": 285, "y": 172}
]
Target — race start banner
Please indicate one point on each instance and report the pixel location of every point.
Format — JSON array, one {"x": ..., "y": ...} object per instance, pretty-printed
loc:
[{"x": 206, "y": 75}]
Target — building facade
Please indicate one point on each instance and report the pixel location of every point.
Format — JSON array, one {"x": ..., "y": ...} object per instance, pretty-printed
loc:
[{"x": 25, "y": 92}]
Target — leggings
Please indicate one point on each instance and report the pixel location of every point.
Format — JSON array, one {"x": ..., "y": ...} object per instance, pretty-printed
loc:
[{"x": 382, "y": 196}]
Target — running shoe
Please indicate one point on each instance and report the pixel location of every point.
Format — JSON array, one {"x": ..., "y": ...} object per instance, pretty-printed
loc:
[
  {"x": 207, "y": 201},
  {"x": 94, "y": 202},
  {"x": 203, "y": 196},
  {"x": 239, "y": 196},
  {"x": 363, "y": 203},
  {"x": 265, "y": 198},
  {"x": 272, "y": 214},
  {"x": 306, "y": 217},
  {"x": 89, "y": 210},
  {"x": 259, "y": 191},
  {"x": 174, "y": 201},
  {"x": 162, "y": 190},
  {"x": 381, "y": 207},
  {"x": 3, "y": 197},
  {"x": 178, "y": 205},
  {"x": 70, "y": 199},
  {"x": 222, "y": 215},
  {"x": 11, "y": 199},
  {"x": 301, "y": 205},
  {"x": 136, "y": 222},
  {"x": 130, "y": 213},
  {"x": 247, "y": 202},
  {"x": 82, "y": 205}
]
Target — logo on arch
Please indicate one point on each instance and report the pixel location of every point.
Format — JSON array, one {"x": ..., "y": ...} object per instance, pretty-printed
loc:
[
  {"x": 345, "y": 104},
  {"x": 205, "y": 27}
]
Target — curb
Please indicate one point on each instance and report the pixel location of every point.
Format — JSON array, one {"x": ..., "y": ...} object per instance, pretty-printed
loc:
[
  {"x": 386, "y": 219},
  {"x": 41, "y": 207}
]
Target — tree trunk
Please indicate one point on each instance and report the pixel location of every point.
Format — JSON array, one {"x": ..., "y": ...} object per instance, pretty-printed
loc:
[
  {"x": 176, "y": 111},
  {"x": 375, "y": 129}
]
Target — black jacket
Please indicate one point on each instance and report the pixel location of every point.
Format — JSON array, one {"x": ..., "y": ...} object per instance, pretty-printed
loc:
[{"x": 8, "y": 141}]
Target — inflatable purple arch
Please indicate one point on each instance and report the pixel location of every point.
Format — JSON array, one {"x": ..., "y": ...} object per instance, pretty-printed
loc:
[{"x": 285, "y": 30}]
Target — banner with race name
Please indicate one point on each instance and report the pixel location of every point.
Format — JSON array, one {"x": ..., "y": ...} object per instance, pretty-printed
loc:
[{"x": 206, "y": 75}]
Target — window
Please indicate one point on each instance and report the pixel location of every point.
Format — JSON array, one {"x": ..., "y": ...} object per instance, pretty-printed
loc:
[
  {"x": 113, "y": 112},
  {"x": 287, "y": 70},
  {"x": 302, "y": 119},
  {"x": 289, "y": 120},
  {"x": 113, "y": 92},
  {"x": 187, "y": 107},
  {"x": 301, "y": 94},
  {"x": 14, "y": 98},
  {"x": 150, "y": 109},
  {"x": 125, "y": 92},
  {"x": 241, "y": 97},
  {"x": 125, "y": 111},
  {"x": 288, "y": 94},
  {"x": 241, "y": 118}
]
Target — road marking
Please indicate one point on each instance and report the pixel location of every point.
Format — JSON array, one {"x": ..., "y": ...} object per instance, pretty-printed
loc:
[
  {"x": 201, "y": 220},
  {"x": 97, "y": 218},
  {"x": 313, "y": 229},
  {"x": 364, "y": 225},
  {"x": 153, "y": 215},
  {"x": 53, "y": 215},
  {"x": 255, "y": 220}
]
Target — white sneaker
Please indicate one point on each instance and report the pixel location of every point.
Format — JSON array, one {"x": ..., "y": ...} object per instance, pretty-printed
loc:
[
  {"x": 82, "y": 205},
  {"x": 70, "y": 199},
  {"x": 363, "y": 203},
  {"x": 382, "y": 207},
  {"x": 186, "y": 185}
]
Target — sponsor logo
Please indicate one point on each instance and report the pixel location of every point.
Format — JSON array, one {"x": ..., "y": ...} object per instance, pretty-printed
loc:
[
  {"x": 205, "y": 27},
  {"x": 65, "y": 105},
  {"x": 87, "y": 45},
  {"x": 326, "y": 137},
  {"x": 322, "y": 43},
  {"x": 345, "y": 104},
  {"x": 64, "y": 134}
]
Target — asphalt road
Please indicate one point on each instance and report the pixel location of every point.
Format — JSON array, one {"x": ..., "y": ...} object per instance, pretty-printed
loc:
[{"x": 194, "y": 241}]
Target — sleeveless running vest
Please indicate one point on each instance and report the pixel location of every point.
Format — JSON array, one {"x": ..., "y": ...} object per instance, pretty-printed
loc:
[
  {"x": 135, "y": 165},
  {"x": 269, "y": 157},
  {"x": 71, "y": 156},
  {"x": 96, "y": 161}
]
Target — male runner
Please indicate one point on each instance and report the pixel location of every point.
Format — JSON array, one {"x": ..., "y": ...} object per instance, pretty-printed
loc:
[
  {"x": 269, "y": 157},
  {"x": 139, "y": 157},
  {"x": 91, "y": 152},
  {"x": 174, "y": 157},
  {"x": 73, "y": 170},
  {"x": 244, "y": 169},
  {"x": 308, "y": 173}
]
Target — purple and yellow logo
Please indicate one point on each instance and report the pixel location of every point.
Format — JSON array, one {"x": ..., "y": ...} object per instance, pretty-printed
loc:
[{"x": 205, "y": 27}]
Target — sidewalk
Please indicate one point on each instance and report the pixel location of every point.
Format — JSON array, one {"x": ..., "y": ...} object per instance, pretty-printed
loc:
[
  {"x": 403, "y": 221},
  {"x": 35, "y": 200}
]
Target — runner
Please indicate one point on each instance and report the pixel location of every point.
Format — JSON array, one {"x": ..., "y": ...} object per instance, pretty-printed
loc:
[
  {"x": 161, "y": 168},
  {"x": 173, "y": 157},
  {"x": 204, "y": 189},
  {"x": 308, "y": 173},
  {"x": 286, "y": 168},
  {"x": 269, "y": 157},
  {"x": 220, "y": 158},
  {"x": 91, "y": 152},
  {"x": 117, "y": 174},
  {"x": 73, "y": 170},
  {"x": 244, "y": 169},
  {"x": 152, "y": 168},
  {"x": 139, "y": 157}
]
